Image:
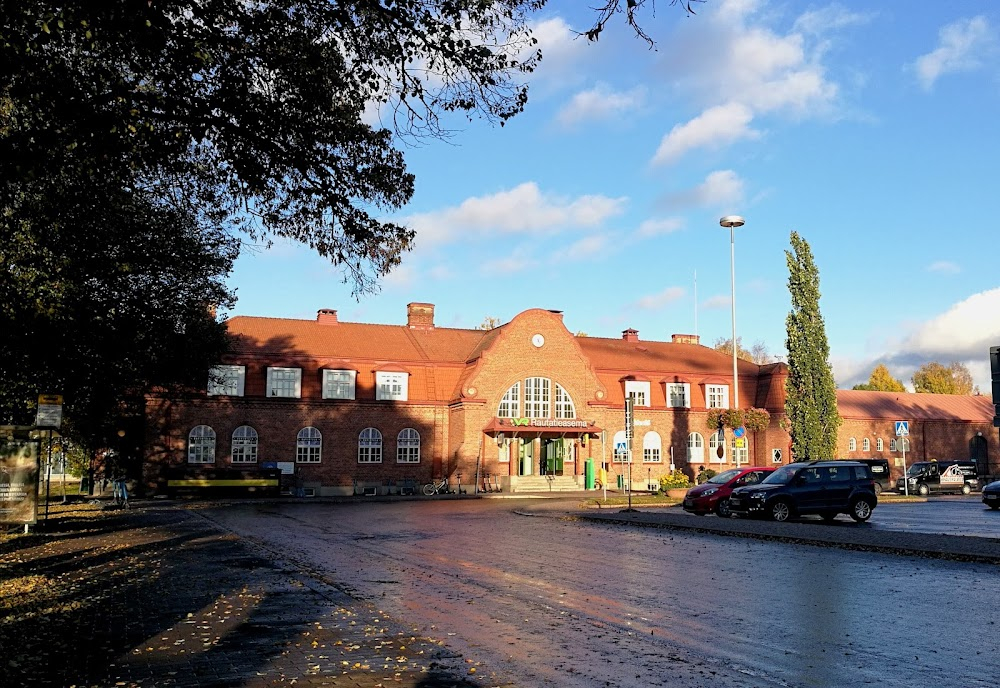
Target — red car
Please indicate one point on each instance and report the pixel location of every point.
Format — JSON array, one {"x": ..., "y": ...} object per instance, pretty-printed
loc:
[{"x": 713, "y": 495}]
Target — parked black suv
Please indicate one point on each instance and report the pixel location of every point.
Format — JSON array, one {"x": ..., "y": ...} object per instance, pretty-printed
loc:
[{"x": 826, "y": 488}]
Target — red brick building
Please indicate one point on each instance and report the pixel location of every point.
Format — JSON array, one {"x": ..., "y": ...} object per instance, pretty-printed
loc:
[{"x": 344, "y": 407}]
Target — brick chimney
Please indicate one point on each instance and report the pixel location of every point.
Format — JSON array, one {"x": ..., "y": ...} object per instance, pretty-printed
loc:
[
  {"x": 420, "y": 316},
  {"x": 685, "y": 339},
  {"x": 630, "y": 335},
  {"x": 326, "y": 316}
]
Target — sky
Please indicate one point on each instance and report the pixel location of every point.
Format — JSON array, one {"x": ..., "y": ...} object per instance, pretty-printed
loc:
[{"x": 869, "y": 128}]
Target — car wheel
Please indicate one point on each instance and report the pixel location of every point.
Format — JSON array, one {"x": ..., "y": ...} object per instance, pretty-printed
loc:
[
  {"x": 922, "y": 490},
  {"x": 780, "y": 510},
  {"x": 861, "y": 510},
  {"x": 722, "y": 509},
  {"x": 995, "y": 506},
  {"x": 878, "y": 488},
  {"x": 966, "y": 489}
]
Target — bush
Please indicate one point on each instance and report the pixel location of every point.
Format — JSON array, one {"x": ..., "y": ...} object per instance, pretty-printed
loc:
[{"x": 675, "y": 480}]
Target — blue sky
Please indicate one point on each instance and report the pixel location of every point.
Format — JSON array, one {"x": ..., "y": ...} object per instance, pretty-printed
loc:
[{"x": 868, "y": 128}]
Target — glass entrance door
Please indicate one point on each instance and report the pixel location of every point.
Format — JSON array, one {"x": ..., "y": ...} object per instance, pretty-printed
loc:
[
  {"x": 553, "y": 457},
  {"x": 525, "y": 457}
]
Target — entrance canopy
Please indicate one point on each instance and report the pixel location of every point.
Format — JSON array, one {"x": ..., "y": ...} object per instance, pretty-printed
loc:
[{"x": 573, "y": 427}]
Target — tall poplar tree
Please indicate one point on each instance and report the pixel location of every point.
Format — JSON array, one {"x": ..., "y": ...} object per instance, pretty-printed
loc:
[{"x": 811, "y": 394}]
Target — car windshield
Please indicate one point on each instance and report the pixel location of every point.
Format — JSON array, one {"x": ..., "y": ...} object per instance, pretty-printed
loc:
[
  {"x": 782, "y": 476},
  {"x": 724, "y": 477},
  {"x": 916, "y": 469}
]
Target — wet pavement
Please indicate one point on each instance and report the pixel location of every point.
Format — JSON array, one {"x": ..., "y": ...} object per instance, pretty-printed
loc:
[{"x": 375, "y": 595}]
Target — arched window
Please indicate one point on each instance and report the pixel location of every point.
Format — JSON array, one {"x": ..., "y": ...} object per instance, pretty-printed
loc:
[
  {"x": 618, "y": 447},
  {"x": 879, "y": 445},
  {"x": 201, "y": 445},
  {"x": 852, "y": 444},
  {"x": 696, "y": 448},
  {"x": 244, "y": 445},
  {"x": 717, "y": 441},
  {"x": 651, "y": 447},
  {"x": 564, "y": 405},
  {"x": 510, "y": 405},
  {"x": 537, "y": 397},
  {"x": 408, "y": 446},
  {"x": 308, "y": 446},
  {"x": 892, "y": 445},
  {"x": 370, "y": 446},
  {"x": 866, "y": 445}
]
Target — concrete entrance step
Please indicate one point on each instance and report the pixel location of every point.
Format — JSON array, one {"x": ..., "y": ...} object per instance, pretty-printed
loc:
[{"x": 546, "y": 483}]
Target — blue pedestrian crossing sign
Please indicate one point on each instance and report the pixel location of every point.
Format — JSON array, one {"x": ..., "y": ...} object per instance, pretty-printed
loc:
[
  {"x": 902, "y": 428},
  {"x": 620, "y": 448}
]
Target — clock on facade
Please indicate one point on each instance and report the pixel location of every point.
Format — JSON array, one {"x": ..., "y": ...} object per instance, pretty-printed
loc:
[{"x": 538, "y": 340}]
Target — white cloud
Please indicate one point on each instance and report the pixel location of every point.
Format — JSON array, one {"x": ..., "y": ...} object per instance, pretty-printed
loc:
[
  {"x": 518, "y": 261},
  {"x": 716, "y": 302},
  {"x": 563, "y": 51},
  {"x": 964, "y": 334},
  {"x": 720, "y": 188},
  {"x": 652, "y": 228},
  {"x": 601, "y": 103},
  {"x": 960, "y": 46},
  {"x": 945, "y": 267},
  {"x": 587, "y": 247},
  {"x": 714, "y": 128},
  {"x": 520, "y": 210},
  {"x": 657, "y": 301},
  {"x": 403, "y": 276},
  {"x": 829, "y": 18}
]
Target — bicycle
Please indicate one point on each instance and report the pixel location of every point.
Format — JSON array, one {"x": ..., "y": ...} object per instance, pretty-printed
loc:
[
  {"x": 119, "y": 494},
  {"x": 440, "y": 487}
]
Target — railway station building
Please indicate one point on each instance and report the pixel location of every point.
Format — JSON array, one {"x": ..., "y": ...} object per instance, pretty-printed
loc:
[{"x": 347, "y": 408}]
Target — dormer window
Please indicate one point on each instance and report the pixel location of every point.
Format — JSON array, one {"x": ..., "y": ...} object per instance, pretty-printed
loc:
[
  {"x": 638, "y": 390},
  {"x": 717, "y": 396},
  {"x": 226, "y": 380},
  {"x": 284, "y": 382},
  {"x": 339, "y": 384},
  {"x": 391, "y": 386}
]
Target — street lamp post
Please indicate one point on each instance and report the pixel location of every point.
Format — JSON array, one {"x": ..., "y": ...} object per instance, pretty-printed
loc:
[{"x": 733, "y": 221}]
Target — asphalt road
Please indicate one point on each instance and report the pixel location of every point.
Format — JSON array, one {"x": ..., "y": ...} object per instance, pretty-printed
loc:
[{"x": 546, "y": 601}]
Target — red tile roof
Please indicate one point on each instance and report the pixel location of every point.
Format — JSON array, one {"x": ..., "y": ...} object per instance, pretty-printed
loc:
[
  {"x": 862, "y": 404},
  {"x": 659, "y": 357}
]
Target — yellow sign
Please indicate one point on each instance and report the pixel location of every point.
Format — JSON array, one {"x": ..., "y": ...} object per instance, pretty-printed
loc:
[
  {"x": 50, "y": 400},
  {"x": 740, "y": 442}
]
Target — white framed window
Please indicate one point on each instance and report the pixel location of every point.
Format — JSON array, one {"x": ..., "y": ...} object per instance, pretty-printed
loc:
[
  {"x": 564, "y": 405},
  {"x": 678, "y": 395},
  {"x": 696, "y": 448},
  {"x": 308, "y": 446},
  {"x": 408, "y": 446},
  {"x": 201, "y": 444},
  {"x": 339, "y": 384},
  {"x": 638, "y": 390},
  {"x": 370, "y": 446},
  {"x": 740, "y": 455},
  {"x": 717, "y": 396},
  {"x": 510, "y": 405},
  {"x": 226, "y": 380},
  {"x": 716, "y": 441},
  {"x": 284, "y": 382},
  {"x": 892, "y": 445},
  {"x": 852, "y": 444},
  {"x": 391, "y": 386},
  {"x": 537, "y": 397},
  {"x": 866, "y": 445},
  {"x": 879, "y": 445},
  {"x": 244, "y": 445},
  {"x": 620, "y": 453},
  {"x": 651, "y": 445}
]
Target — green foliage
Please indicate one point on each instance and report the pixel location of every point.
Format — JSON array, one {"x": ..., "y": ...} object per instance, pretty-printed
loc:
[
  {"x": 881, "y": 381},
  {"x": 811, "y": 395},
  {"x": 756, "y": 420},
  {"x": 676, "y": 480},
  {"x": 935, "y": 378}
]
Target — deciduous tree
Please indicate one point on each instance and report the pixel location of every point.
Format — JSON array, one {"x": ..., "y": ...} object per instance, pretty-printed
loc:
[
  {"x": 757, "y": 353},
  {"x": 811, "y": 393},
  {"x": 937, "y": 378},
  {"x": 881, "y": 380}
]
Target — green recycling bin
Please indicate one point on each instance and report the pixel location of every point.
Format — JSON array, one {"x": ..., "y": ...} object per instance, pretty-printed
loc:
[{"x": 588, "y": 474}]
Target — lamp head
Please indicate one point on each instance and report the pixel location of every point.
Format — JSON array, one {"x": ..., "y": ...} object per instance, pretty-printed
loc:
[{"x": 732, "y": 221}]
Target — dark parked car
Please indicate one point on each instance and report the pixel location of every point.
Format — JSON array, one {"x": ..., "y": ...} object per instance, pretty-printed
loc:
[
  {"x": 826, "y": 488},
  {"x": 991, "y": 495},
  {"x": 713, "y": 494},
  {"x": 924, "y": 477}
]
